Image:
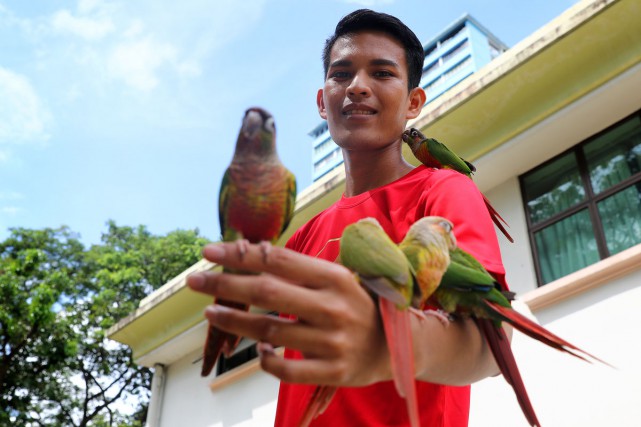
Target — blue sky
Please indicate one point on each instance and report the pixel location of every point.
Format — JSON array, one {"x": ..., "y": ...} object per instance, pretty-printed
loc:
[{"x": 129, "y": 110}]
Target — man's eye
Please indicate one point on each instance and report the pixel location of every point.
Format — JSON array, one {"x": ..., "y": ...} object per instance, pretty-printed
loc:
[
  {"x": 383, "y": 73},
  {"x": 340, "y": 75}
]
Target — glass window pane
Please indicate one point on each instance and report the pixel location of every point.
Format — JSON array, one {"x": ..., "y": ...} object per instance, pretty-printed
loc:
[
  {"x": 553, "y": 188},
  {"x": 566, "y": 246},
  {"x": 614, "y": 156},
  {"x": 621, "y": 218}
]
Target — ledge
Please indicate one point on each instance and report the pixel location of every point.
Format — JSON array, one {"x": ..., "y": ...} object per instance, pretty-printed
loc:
[
  {"x": 590, "y": 277},
  {"x": 239, "y": 373}
]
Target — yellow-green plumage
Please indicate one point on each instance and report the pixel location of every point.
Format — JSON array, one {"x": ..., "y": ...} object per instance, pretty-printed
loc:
[
  {"x": 366, "y": 249},
  {"x": 427, "y": 246}
]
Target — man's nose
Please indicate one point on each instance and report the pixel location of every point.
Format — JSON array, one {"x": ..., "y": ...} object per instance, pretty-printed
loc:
[{"x": 359, "y": 86}]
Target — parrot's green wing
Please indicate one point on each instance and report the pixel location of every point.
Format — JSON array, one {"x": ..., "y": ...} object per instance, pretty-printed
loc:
[
  {"x": 367, "y": 250},
  {"x": 381, "y": 267},
  {"x": 373, "y": 254},
  {"x": 223, "y": 201},
  {"x": 466, "y": 279},
  {"x": 290, "y": 202},
  {"x": 449, "y": 159}
]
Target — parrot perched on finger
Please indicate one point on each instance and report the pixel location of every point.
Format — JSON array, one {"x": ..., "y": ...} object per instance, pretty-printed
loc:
[
  {"x": 434, "y": 154},
  {"x": 381, "y": 267},
  {"x": 256, "y": 204},
  {"x": 467, "y": 289}
]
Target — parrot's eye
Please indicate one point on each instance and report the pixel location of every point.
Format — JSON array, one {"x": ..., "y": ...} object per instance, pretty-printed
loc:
[
  {"x": 414, "y": 133},
  {"x": 270, "y": 125},
  {"x": 447, "y": 226}
]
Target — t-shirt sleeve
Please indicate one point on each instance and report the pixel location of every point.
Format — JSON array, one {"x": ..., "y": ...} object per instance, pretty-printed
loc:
[{"x": 455, "y": 197}]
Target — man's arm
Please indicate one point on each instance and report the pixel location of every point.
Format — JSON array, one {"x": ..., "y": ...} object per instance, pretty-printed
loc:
[{"x": 338, "y": 329}]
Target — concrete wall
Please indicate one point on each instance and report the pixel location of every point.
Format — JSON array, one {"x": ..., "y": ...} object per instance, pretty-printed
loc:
[
  {"x": 566, "y": 391},
  {"x": 189, "y": 401}
]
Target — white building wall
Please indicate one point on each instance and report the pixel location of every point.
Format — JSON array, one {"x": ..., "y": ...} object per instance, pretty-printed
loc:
[
  {"x": 566, "y": 391},
  {"x": 189, "y": 401},
  {"x": 517, "y": 256}
]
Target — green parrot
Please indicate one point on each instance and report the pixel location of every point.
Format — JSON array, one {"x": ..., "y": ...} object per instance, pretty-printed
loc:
[
  {"x": 427, "y": 247},
  {"x": 434, "y": 154},
  {"x": 256, "y": 204},
  {"x": 380, "y": 266},
  {"x": 467, "y": 289}
]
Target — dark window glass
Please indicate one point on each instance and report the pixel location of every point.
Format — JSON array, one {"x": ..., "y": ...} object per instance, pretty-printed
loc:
[{"x": 585, "y": 204}]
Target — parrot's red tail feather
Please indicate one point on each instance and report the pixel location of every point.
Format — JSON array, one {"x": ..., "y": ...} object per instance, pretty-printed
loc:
[
  {"x": 218, "y": 340},
  {"x": 318, "y": 402},
  {"x": 539, "y": 333},
  {"x": 500, "y": 347},
  {"x": 398, "y": 333},
  {"x": 212, "y": 349},
  {"x": 497, "y": 219}
]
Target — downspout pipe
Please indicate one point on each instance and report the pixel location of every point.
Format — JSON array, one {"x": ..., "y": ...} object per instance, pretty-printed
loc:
[{"x": 157, "y": 394}]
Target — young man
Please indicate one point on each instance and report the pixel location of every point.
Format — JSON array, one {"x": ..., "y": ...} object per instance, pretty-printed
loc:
[{"x": 373, "y": 65}]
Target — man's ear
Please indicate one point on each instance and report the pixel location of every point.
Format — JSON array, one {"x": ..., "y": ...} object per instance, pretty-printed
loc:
[
  {"x": 416, "y": 101},
  {"x": 321, "y": 104}
]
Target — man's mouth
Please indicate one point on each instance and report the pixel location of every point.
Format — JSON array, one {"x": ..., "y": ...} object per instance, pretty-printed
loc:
[{"x": 358, "y": 113}]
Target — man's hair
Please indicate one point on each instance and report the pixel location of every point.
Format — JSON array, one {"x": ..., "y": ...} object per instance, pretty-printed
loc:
[{"x": 368, "y": 20}]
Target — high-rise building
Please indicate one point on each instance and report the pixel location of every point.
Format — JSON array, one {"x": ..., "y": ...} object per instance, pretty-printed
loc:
[{"x": 459, "y": 50}]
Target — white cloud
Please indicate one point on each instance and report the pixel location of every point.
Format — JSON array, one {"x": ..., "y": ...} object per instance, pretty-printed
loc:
[
  {"x": 87, "y": 28},
  {"x": 11, "y": 195},
  {"x": 136, "y": 43},
  {"x": 10, "y": 210},
  {"x": 136, "y": 28},
  {"x": 137, "y": 62},
  {"x": 87, "y": 6},
  {"x": 23, "y": 118}
]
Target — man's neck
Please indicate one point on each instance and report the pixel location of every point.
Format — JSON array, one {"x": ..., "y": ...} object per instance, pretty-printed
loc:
[{"x": 366, "y": 171}]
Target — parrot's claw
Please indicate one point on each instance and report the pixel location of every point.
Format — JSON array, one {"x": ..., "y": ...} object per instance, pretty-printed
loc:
[
  {"x": 265, "y": 248},
  {"x": 441, "y": 315},
  {"x": 418, "y": 313},
  {"x": 243, "y": 246}
]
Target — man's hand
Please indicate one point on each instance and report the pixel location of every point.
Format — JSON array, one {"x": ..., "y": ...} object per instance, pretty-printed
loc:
[{"x": 337, "y": 327}]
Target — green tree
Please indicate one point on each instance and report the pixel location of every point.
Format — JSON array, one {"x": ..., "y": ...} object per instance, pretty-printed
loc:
[{"x": 56, "y": 301}]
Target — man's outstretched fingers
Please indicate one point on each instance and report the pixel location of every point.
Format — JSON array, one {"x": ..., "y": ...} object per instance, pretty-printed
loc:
[
  {"x": 276, "y": 331},
  {"x": 302, "y": 371},
  {"x": 298, "y": 268},
  {"x": 265, "y": 290}
]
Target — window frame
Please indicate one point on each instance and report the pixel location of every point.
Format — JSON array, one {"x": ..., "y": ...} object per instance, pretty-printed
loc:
[{"x": 591, "y": 199}]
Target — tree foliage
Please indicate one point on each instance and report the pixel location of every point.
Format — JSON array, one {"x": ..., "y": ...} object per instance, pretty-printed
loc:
[{"x": 57, "y": 298}]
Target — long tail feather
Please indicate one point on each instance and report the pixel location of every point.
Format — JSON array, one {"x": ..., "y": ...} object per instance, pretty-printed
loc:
[
  {"x": 218, "y": 340},
  {"x": 398, "y": 333},
  {"x": 500, "y": 347},
  {"x": 318, "y": 402},
  {"x": 497, "y": 219},
  {"x": 539, "y": 333}
]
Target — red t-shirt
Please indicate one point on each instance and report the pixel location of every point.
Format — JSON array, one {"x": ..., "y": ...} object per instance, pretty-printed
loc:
[{"x": 422, "y": 192}]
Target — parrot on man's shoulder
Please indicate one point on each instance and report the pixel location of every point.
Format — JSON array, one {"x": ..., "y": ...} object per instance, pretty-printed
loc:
[{"x": 435, "y": 154}]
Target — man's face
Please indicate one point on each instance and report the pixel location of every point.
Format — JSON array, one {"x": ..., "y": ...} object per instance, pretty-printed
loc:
[{"x": 365, "y": 97}]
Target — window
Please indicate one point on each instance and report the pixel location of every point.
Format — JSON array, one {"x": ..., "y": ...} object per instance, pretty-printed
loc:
[
  {"x": 245, "y": 352},
  {"x": 464, "y": 63},
  {"x": 585, "y": 204},
  {"x": 239, "y": 358},
  {"x": 456, "y": 50}
]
